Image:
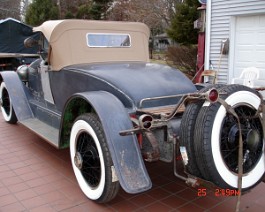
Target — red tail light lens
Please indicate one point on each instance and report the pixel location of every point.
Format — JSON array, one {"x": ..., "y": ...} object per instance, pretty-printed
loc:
[{"x": 212, "y": 95}]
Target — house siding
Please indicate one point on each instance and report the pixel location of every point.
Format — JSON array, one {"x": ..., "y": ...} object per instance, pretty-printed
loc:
[{"x": 222, "y": 13}]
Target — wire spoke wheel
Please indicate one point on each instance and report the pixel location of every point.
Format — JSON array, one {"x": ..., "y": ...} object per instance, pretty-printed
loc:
[
  {"x": 6, "y": 105},
  {"x": 217, "y": 139},
  {"x": 87, "y": 150},
  {"x": 252, "y": 134},
  {"x": 91, "y": 159}
]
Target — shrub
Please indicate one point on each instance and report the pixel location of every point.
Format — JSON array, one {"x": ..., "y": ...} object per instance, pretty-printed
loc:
[{"x": 183, "y": 58}]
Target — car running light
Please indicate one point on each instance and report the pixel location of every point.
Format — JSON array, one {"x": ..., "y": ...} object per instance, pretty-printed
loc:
[{"x": 212, "y": 95}]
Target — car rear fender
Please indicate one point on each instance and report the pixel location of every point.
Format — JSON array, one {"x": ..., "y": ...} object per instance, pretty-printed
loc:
[
  {"x": 18, "y": 94},
  {"x": 124, "y": 150}
]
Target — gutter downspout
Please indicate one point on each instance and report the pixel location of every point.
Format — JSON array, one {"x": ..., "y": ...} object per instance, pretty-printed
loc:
[
  {"x": 200, "y": 24},
  {"x": 208, "y": 35}
]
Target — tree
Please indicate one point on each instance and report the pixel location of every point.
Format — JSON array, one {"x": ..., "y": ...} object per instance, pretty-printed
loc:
[
  {"x": 102, "y": 6},
  {"x": 10, "y": 8},
  {"x": 182, "y": 29},
  {"x": 119, "y": 11},
  {"x": 157, "y": 14},
  {"x": 89, "y": 11},
  {"x": 84, "y": 9},
  {"x": 40, "y": 11}
]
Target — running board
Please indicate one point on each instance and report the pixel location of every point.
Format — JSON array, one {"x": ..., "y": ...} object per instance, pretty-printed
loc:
[{"x": 50, "y": 134}]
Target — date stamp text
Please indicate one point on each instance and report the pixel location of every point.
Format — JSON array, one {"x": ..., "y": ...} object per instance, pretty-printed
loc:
[{"x": 218, "y": 192}]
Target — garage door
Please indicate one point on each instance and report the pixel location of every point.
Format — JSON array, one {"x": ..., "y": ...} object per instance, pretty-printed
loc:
[{"x": 249, "y": 43}]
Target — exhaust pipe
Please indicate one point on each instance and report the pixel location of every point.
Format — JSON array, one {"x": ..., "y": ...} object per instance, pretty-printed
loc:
[{"x": 146, "y": 121}]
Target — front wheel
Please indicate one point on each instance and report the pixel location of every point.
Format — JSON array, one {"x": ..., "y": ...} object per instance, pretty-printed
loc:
[
  {"x": 6, "y": 105},
  {"x": 217, "y": 135},
  {"x": 91, "y": 159}
]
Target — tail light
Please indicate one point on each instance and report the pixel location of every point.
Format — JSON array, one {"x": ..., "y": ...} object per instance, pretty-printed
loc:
[{"x": 212, "y": 95}]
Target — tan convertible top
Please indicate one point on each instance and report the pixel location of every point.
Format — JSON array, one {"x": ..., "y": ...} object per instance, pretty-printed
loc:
[{"x": 68, "y": 42}]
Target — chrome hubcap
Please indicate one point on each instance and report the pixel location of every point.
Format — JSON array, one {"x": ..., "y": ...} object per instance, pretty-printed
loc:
[
  {"x": 78, "y": 160},
  {"x": 253, "y": 140}
]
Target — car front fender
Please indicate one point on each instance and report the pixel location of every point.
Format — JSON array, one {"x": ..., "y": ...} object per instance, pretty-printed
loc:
[
  {"x": 125, "y": 152},
  {"x": 18, "y": 94}
]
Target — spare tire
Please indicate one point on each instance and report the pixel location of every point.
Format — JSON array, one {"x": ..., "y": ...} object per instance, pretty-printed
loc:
[
  {"x": 187, "y": 128},
  {"x": 217, "y": 134}
]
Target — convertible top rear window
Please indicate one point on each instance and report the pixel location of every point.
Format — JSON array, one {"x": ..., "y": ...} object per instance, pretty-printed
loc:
[{"x": 108, "y": 40}]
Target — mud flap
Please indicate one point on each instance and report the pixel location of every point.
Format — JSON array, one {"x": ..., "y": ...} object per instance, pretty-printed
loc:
[
  {"x": 125, "y": 152},
  {"x": 17, "y": 94}
]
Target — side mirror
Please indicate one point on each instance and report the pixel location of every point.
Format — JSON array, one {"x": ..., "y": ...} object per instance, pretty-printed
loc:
[{"x": 30, "y": 42}]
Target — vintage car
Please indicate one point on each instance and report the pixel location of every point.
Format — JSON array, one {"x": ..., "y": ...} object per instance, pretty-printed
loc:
[{"x": 95, "y": 91}]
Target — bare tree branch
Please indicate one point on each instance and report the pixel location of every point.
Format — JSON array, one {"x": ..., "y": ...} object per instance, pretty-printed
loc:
[
  {"x": 155, "y": 13},
  {"x": 10, "y": 8}
]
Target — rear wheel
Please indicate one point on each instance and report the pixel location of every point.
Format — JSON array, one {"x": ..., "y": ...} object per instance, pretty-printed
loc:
[
  {"x": 6, "y": 105},
  {"x": 217, "y": 133},
  {"x": 91, "y": 159}
]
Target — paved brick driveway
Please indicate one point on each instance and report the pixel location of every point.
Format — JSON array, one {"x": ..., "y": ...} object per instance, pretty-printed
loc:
[{"x": 35, "y": 176}]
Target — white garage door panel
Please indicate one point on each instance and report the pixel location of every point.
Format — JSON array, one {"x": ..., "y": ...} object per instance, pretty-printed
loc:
[
  {"x": 249, "y": 43},
  {"x": 243, "y": 36},
  {"x": 262, "y": 21},
  {"x": 261, "y": 38},
  {"x": 260, "y": 55},
  {"x": 245, "y": 22},
  {"x": 244, "y": 56}
]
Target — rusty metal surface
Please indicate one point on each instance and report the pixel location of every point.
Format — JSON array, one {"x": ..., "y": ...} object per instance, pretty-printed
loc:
[
  {"x": 153, "y": 155},
  {"x": 11, "y": 55},
  {"x": 260, "y": 89},
  {"x": 162, "y": 110}
]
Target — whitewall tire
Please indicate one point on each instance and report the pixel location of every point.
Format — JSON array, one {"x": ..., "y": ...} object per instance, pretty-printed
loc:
[
  {"x": 217, "y": 135},
  {"x": 6, "y": 105},
  {"x": 91, "y": 159}
]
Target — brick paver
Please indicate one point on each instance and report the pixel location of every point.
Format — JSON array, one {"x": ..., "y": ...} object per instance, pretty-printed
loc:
[{"x": 35, "y": 176}]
